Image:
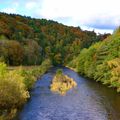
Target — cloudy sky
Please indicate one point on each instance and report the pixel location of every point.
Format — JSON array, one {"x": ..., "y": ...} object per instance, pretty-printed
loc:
[{"x": 99, "y": 15}]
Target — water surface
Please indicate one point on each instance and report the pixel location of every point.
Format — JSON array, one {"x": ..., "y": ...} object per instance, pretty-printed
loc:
[{"x": 88, "y": 101}]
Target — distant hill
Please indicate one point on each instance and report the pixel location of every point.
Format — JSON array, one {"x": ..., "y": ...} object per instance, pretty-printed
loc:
[{"x": 37, "y": 39}]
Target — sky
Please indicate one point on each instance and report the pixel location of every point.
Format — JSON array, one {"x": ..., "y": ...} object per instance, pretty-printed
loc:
[{"x": 102, "y": 16}]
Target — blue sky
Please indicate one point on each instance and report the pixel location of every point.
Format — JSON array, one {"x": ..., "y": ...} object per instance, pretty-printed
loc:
[{"x": 99, "y": 15}]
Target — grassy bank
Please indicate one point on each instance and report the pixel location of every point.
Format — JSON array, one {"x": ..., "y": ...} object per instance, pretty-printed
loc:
[{"x": 15, "y": 83}]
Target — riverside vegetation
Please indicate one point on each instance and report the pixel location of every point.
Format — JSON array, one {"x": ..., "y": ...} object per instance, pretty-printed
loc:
[
  {"x": 14, "y": 87},
  {"x": 101, "y": 61},
  {"x": 62, "y": 83}
]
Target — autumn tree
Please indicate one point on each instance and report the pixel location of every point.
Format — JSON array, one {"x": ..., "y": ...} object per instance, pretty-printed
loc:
[
  {"x": 15, "y": 52},
  {"x": 32, "y": 53}
]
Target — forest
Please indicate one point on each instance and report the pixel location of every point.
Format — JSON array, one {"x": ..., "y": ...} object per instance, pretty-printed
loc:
[{"x": 28, "y": 41}]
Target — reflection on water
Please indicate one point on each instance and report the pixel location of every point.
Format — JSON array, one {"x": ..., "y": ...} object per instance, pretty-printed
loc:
[{"x": 89, "y": 101}]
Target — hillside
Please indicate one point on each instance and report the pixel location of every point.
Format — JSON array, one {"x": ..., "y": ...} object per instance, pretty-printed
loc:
[
  {"x": 28, "y": 41},
  {"x": 101, "y": 61}
]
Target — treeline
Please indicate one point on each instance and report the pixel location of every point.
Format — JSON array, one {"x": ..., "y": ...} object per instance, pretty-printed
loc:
[
  {"x": 101, "y": 61},
  {"x": 28, "y": 41},
  {"x": 15, "y": 85}
]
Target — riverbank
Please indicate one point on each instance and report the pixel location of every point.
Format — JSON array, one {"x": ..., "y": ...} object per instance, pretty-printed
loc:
[
  {"x": 15, "y": 85},
  {"x": 109, "y": 70}
]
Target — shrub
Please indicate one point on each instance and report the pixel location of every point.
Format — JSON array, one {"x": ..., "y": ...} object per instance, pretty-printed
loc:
[
  {"x": 59, "y": 72},
  {"x": 62, "y": 83},
  {"x": 29, "y": 78},
  {"x": 46, "y": 64},
  {"x": 3, "y": 69},
  {"x": 13, "y": 93}
]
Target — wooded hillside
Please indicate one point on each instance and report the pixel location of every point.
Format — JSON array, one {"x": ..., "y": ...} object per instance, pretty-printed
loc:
[{"x": 28, "y": 41}]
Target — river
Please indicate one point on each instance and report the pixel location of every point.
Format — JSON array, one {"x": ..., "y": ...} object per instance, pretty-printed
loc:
[{"x": 88, "y": 101}]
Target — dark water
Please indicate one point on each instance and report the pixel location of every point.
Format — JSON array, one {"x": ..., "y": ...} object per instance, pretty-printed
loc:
[{"x": 89, "y": 101}]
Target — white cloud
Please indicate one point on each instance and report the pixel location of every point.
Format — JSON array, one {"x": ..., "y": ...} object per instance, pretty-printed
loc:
[
  {"x": 83, "y": 12},
  {"x": 97, "y": 30},
  {"x": 15, "y": 4},
  {"x": 30, "y": 5},
  {"x": 9, "y": 10}
]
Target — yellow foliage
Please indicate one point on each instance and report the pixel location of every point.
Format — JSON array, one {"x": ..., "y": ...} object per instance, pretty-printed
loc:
[
  {"x": 62, "y": 83},
  {"x": 114, "y": 66},
  {"x": 114, "y": 63},
  {"x": 12, "y": 90}
]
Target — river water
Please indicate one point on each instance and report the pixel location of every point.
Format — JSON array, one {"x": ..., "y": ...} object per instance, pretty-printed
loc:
[{"x": 88, "y": 101}]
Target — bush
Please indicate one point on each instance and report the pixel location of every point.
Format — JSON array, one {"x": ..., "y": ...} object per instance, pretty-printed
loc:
[
  {"x": 29, "y": 78},
  {"x": 46, "y": 64},
  {"x": 59, "y": 72},
  {"x": 3, "y": 69},
  {"x": 13, "y": 93},
  {"x": 12, "y": 90},
  {"x": 62, "y": 83}
]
